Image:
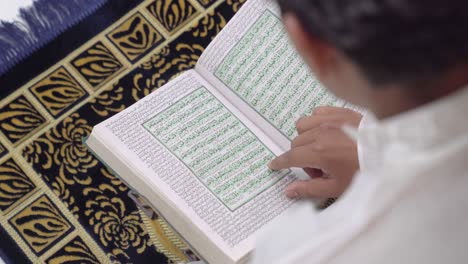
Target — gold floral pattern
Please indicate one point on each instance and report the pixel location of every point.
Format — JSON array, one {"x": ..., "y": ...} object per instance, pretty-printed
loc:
[
  {"x": 41, "y": 224},
  {"x": 60, "y": 189},
  {"x": 63, "y": 146},
  {"x": 135, "y": 37},
  {"x": 172, "y": 13},
  {"x": 236, "y": 4},
  {"x": 158, "y": 61},
  {"x": 142, "y": 86},
  {"x": 210, "y": 25},
  {"x": 97, "y": 64},
  {"x": 58, "y": 91},
  {"x": 186, "y": 59},
  {"x": 188, "y": 56},
  {"x": 116, "y": 182},
  {"x": 14, "y": 184},
  {"x": 109, "y": 102},
  {"x": 19, "y": 118},
  {"x": 90, "y": 192},
  {"x": 112, "y": 222}
]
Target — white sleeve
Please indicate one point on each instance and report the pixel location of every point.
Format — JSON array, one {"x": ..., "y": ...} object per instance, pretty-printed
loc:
[
  {"x": 286, "y": 233},
  {"x": 366, "y": 153}
]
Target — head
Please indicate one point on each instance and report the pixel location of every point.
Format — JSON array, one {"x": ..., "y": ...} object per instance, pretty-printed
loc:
[{"x": 387, "y": 55}]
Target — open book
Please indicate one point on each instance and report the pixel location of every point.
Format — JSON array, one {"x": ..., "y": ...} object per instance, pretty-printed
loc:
[{"x": 198, "y": 147}]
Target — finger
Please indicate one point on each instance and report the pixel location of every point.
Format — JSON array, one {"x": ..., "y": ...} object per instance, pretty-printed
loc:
[
  {"x": 308, "y": 137},
  {"x": 313, "y": 188},
  {"x": 323, "y": 138},
  {"x": 343, "y": 115},
  {"x": 301, "y": 157},
  {"x": 311, "y": 122},
  {"x": 330, "y": 110}
]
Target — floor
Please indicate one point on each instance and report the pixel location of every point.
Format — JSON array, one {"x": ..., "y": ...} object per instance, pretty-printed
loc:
[{"x": 9, "y": 9}]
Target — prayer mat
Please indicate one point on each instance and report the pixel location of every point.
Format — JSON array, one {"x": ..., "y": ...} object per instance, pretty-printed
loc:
[
  {"x": 58, "y": 203},
  {"x": 38, "y": 24}
]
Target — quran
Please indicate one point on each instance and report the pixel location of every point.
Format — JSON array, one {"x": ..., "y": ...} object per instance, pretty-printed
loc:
[{"x": 197, "y": 148}]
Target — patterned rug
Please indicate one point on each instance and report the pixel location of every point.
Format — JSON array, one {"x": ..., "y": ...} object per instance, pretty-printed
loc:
[
  {"x": 37, "y": 23},
  {"x": 58, "y": 204}
]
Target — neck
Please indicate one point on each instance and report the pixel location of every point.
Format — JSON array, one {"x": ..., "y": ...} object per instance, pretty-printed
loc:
[{"x": 393, "y": 100}]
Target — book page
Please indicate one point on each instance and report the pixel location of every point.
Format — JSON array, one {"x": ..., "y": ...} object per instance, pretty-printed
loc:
[
  {"x": 224, "y": 155},
  {"x": 254, "y": 65},
  {"x": 206, "y": 157}
]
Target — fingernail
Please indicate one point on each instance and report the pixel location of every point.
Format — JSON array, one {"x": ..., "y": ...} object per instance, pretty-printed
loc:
[
  {"x": 292, "y": 194},
  {"x": 299, "y": 119},
  {"x": 270, "y": 165}
]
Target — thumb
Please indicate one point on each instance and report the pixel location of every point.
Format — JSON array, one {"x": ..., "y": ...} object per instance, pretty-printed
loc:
[{"x": 313, "y": 188}]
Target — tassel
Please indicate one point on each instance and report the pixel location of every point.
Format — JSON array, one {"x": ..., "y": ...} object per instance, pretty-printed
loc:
[{"x": 39, "y": 24}]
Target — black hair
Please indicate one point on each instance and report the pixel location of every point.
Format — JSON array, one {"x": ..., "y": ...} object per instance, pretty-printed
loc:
[{"x": 390, "y": 40}]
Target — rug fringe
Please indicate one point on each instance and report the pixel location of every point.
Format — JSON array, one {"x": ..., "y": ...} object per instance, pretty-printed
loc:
[{"x": 38, "y": 25}]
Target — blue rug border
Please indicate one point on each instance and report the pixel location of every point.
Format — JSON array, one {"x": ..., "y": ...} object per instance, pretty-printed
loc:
[
  {"x": 68, "y": 41},
  {"x": 37, "y": 24}
]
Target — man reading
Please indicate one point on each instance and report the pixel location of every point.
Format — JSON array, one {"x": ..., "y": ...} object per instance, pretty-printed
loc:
[{"x": 401, "y": 173}]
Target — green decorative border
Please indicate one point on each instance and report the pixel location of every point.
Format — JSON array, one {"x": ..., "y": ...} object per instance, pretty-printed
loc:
[
  {"x": 216, "y": 73},
  {"x": 289, "y": 172}
]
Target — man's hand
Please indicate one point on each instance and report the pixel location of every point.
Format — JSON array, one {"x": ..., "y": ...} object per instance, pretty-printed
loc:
[{"x": 324, "y": 152}]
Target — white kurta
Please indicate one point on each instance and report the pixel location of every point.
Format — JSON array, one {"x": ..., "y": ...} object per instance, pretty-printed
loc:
[{"x": 408, "y": 203}]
